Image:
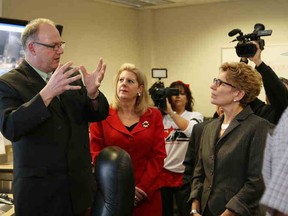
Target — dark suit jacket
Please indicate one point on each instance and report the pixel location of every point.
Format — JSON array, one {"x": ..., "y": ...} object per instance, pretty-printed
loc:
[
  {"x": 190, "y": 163},
  {"x": 192, "y": 156},
  {"x": 50, "y": 144},
  {"x": 228, "y": 172}
]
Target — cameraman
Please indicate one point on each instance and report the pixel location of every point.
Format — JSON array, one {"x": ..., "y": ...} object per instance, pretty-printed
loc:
[
  {"x": 178, "y": 124},
  {"x": 275, "y": 89}
]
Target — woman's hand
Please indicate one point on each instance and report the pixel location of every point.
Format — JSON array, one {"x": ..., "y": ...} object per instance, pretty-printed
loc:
[
  {"x": 168, "y": 109},
  {"x": 227, "y": 212},
  {"x": 195, "y": 205},
  {"x": 139, "y": 195}
]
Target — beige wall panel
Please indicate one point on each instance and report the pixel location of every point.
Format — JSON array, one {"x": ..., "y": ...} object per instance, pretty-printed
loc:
[{"x": 186, "y": 40}]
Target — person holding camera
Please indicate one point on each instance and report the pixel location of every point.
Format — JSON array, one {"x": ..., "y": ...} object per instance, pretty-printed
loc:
[
  {"x": 138, "y": 129},
  {"x": 228, "y": 179},
  {"x": 250, "y": 47},
  {"x": 275, "y": 89},
  {"x": 178, "y": 124}
]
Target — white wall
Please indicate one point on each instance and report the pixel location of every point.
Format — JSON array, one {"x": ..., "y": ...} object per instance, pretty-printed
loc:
[
  {"x": 90, "y": 31},
  {"x": 186, "y": 40}
]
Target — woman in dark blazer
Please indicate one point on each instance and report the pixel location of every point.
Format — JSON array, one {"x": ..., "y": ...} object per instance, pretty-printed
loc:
[{"x": 227, "y": 179}]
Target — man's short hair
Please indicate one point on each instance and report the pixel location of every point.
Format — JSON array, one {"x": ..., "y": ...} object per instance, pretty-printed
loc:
[{"x": 31, "y": 30}]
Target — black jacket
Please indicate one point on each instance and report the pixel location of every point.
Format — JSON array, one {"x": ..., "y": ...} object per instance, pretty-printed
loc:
[
  {"x": 50, "y": 144},
  {"x": 276, "y": 92}
]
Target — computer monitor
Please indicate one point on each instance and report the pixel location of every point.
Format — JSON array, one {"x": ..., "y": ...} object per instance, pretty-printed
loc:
[{"x": 11, "y": 51}]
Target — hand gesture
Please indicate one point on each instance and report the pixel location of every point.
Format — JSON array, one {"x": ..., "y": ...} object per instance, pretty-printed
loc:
[
  {"x": 60, "y": 82},
  {"x": 61, "y": 79},
  {"x": 93, "y": 80}
]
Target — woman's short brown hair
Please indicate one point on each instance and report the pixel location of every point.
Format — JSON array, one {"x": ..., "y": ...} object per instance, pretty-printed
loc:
[{"x": 243, "y": 77}]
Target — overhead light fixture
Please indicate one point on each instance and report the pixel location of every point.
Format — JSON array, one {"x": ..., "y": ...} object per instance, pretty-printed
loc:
[
  {"x": 142, "y": 3},
  {"x": 156, "y": 2}
]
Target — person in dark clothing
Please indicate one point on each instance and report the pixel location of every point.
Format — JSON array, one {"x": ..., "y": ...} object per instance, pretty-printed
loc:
[
  {"x": 275, "y": 89},
  {"x": 45, "y": 110},
  {"x": 227, "y": 179},
  {"x": 190, "y": 163},
  {"x": 277, "y": 101}
]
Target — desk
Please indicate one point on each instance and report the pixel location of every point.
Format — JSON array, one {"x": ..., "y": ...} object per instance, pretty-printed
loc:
[
  {"x": 11, "y": 211},
  {"x": 6, "y": 177}
]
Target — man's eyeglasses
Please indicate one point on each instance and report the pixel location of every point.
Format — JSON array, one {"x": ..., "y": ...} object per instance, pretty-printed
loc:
[
  {"x": 55, "y": 47},
  {"x": 219, "y": 82}
]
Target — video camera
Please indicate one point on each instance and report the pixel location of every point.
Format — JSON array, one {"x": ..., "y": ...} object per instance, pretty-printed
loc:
[
  {"x": 244, "y": 47},
  {"x": 158, "y": 91}
]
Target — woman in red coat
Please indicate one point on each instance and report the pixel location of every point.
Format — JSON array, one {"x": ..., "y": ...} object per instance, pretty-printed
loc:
[{"x": 138, "y": 129}]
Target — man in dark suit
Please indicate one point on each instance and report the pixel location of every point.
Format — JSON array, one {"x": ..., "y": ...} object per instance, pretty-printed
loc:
[{"x": 48, "y": 125}]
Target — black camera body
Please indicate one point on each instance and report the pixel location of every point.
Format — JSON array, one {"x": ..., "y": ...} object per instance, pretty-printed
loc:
[
  {"x": 159, "y": 94},
  {"x": 244, "y": 47}
]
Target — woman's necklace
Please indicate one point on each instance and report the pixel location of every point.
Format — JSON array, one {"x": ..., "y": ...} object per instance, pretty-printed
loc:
[{"x": 224, "y": 126}]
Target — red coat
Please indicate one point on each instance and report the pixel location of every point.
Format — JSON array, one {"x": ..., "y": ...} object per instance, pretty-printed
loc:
[{"x": 146, "y": 147}]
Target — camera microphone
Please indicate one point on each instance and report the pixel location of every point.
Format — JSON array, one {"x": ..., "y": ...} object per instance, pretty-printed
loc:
[
  {"x": 234, "y": 32},
  {"x": 258, "y": 27}
]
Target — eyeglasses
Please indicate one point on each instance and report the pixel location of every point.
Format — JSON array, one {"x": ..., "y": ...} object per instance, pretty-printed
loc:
[
  {"x": 219, "y": 82},
  {"x": 55, "y": 47}
]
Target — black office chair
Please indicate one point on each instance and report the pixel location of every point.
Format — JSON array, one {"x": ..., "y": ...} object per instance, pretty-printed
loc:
[{"x": 115, "y": 183}]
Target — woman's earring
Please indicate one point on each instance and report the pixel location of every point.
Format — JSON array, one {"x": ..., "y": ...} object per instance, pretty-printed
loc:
[
  {"x": 139, "y": 94},
  {"x": 235, "y": 100}
]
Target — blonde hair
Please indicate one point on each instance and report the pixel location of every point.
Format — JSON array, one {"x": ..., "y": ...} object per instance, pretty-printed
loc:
[
  {"x": 143, "y": 101},
  {"x": 243, "y": 77},
  {"x": 31, "y": 30}
]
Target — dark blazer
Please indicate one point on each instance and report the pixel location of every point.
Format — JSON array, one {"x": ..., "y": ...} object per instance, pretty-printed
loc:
[
  {"x": 228, "y": 172},
  {"x": 192, "y": 154},
  {"x": 50, "y": 144},
  {"x": 190, "y": 163}
]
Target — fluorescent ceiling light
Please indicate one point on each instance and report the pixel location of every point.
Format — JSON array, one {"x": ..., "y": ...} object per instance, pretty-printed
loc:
[{"x": 142, "y": 3}]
